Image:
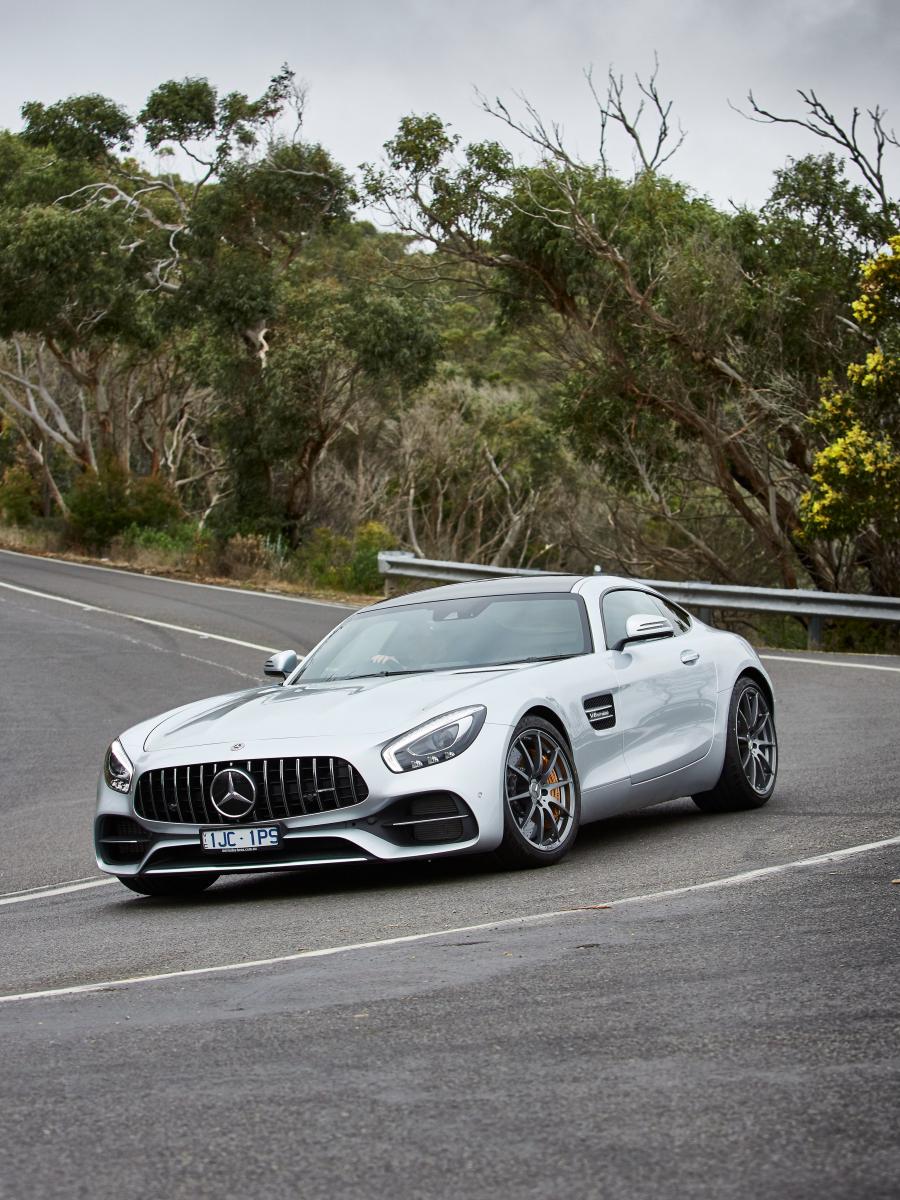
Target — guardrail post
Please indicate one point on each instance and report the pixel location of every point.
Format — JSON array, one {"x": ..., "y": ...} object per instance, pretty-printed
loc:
[
  {"x": 814, "y": 631},
  {"x": 384, "y": 566}
]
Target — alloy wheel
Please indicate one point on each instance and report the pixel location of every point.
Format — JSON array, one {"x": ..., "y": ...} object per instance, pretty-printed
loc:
[
  {"x": 540, "y": 789},
  {"x": 755, "y": 731}
]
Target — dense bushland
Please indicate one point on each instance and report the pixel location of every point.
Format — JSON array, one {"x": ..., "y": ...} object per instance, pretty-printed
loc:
[{"x": 546, "y": 365}]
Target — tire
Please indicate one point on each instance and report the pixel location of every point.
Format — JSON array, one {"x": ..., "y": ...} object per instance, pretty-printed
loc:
[
  {"x": 538, "y": 830},
  {"x": 175, "y": 886},
  {"x": 751, "y": 753}
]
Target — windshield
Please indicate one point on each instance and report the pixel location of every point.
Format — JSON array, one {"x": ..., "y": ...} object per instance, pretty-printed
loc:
[{"x": 443, "y": 635}]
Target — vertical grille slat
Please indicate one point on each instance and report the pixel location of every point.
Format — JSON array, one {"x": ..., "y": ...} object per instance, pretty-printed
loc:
[
  {"x": 315, "y": 783},
  {"x": 300, "y": 798},
  {"x": 265, "y": 796},
  {"x": 182, "y": 794},
  {"x": 284, "y": 796}
]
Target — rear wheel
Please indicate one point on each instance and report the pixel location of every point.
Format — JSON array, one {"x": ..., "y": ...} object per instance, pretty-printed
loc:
[
  {"x": 751, "y": 753},
  {"x": 169, "y": 885},
  {"x": 541, "y": 797}
]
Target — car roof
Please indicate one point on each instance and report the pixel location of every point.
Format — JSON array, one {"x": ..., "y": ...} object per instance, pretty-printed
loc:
[{"x": 508, "y": 585}]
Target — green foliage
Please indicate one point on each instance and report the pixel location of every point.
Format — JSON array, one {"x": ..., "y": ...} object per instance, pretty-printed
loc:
[
  {"x": 104, "y": 504},
  {"x": 88, "y": 127},
  {"x": 338, "y": 341},
  {"x": 59, "y": 269},
  {"x": 19, "y": 496},
  {"x": 570, "y": 333},
  {"x": 191, "y": 110},
  {"x": 179, "y": 111},
  {"x": 175, "y": 538},
  {"x": 348, "y": 564}
]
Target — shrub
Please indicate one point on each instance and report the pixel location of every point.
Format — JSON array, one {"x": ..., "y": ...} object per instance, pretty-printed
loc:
[
  {"x": 323, "y": 558},
  {"x": 351, "y": 564},
  {"x": 370, "y": 538},
  {"x": 248, "y": 554},
  {"x": 19, "y": 496},
  {"x": 107, "y": 503},
  {"x": 176, "y": 539}
]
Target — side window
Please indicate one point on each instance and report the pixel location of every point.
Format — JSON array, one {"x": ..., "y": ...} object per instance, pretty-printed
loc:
[
  {"x": 618, "y": 606},
  {"x": 675, "y": 613}
]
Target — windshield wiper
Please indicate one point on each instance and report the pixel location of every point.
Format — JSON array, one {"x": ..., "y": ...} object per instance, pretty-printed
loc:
[
  {"x": 535, "y": 658},
  {"x": 381, "y": 674}
]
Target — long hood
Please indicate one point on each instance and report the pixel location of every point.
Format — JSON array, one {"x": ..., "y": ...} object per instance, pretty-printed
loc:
[{"x": 376, "y": 707}]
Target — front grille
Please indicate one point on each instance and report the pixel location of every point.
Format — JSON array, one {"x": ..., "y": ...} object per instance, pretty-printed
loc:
[{"x": 285, "y": 787}]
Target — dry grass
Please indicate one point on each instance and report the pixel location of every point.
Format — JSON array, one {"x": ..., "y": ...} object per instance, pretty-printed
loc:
[{"x": 172, "y": 565}]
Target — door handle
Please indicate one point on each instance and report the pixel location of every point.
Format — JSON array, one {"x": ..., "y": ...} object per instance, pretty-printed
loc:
[{"x": 689, "y": 656}]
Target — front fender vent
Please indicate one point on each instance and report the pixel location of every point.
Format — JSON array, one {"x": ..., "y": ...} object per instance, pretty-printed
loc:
[{"x": 600, "y": 711}]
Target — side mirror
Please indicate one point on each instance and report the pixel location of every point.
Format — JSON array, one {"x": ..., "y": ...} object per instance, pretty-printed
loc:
[
  {"x": 643, "y": 626},
  {"x": 282, "y": 664}
]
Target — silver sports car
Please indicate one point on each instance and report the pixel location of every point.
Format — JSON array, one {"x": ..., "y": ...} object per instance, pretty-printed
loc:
[{"x": 487, "y": 716}]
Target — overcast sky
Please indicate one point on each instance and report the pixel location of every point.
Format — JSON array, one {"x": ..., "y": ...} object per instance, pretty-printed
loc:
[{"x": 367, "y": 63}]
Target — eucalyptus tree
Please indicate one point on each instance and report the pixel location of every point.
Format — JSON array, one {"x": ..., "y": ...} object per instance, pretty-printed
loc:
[
  {"x": 342, "y": 345},
  {"x": 691, "y": 342},
  {"x": 107, "y": 265}
]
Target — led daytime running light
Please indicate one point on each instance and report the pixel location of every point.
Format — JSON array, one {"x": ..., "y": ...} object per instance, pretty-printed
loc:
[
  {"x": 438, "y": 740},
  {"x": 118, "y": 770}
]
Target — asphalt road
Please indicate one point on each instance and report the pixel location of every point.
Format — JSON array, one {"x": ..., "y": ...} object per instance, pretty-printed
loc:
[{"x": 733, "y": 1041}]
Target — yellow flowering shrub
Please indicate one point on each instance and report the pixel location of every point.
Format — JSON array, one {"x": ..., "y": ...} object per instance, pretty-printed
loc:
[{"x": 855, "y": 480}]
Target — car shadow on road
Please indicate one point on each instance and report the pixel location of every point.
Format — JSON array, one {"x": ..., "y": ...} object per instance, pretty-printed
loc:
[{"x": 619, "y": 835}]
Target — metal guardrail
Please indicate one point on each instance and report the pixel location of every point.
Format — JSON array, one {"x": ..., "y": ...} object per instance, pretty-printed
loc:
[{"x": 812, "y": 606}]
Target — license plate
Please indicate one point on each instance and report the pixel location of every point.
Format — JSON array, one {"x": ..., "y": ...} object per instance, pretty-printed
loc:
[{"x": 231, "y": 841}]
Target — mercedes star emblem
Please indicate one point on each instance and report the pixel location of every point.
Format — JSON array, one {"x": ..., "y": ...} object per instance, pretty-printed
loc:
[{"x": 233, "y": 793}]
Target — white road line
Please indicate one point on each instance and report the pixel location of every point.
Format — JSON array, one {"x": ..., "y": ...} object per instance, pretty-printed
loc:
[
  {"x": 109, "y": 612},
  {"x": 826, "y": 662},
  {"x": 533, "y": 919},
  {"x": 62, "y": 890},
  {"x": 216, "y": 587},
  {"x": 40, "y": 887},
  {"x": 219, "y": 637}
]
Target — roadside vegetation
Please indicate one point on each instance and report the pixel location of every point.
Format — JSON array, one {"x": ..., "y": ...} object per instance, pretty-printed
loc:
[{"x": 550, "y": 365}]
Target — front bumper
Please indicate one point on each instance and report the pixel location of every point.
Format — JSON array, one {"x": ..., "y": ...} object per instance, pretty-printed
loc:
[{"x": 448, "y": 808}]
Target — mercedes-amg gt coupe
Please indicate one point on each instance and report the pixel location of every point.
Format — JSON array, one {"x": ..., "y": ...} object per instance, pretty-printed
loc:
[{"x": 492, "y": 716}]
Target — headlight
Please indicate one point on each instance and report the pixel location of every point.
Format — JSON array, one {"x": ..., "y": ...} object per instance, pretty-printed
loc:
[
  {"x": 436, "y": 741},
  {"x": 117, "y": 768}
]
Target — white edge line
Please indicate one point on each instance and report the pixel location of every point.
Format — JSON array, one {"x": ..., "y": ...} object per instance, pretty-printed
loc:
[
  {"x": 219, "y": 637},
  {"x": 110, "y": 612},
  {"x": 532, "y": 919},
  {"x": 42, "y": 887},
  {"x": 61, "y": 890},
  {"x": 826, "y": 662},
  {"x": 218, "y": 587},
  {"x": 322, "y": 604}
]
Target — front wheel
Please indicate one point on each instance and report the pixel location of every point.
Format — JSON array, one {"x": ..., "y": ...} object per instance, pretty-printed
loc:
[
  {"x": 751, "y": 753},
  {"x": 169, "y": 885},
  {"x": 541, "y": 797}
]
